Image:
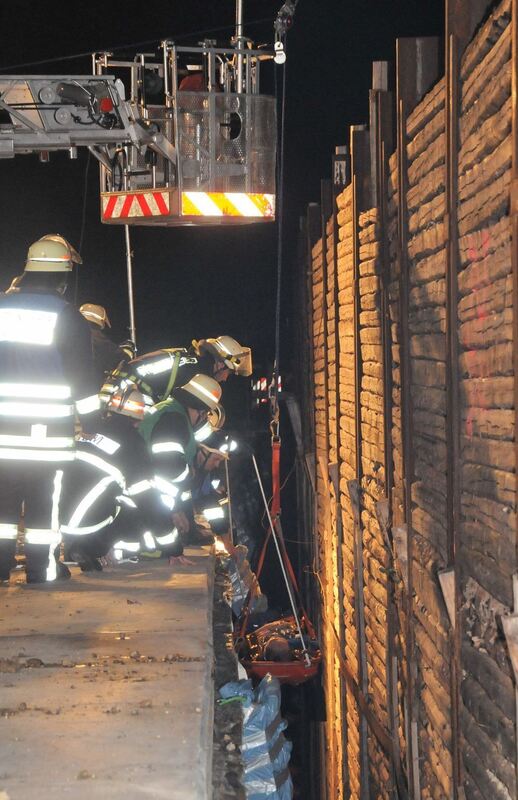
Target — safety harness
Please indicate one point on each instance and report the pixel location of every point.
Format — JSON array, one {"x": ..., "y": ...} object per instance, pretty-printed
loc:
[{"x": 121, "y": 372}]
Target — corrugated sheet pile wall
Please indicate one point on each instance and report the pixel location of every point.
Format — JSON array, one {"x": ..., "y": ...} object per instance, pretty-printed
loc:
[{"x": 416, "y": 703}]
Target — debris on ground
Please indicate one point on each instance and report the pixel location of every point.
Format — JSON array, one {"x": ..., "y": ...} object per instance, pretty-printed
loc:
[
  {"x": 84, "y": 775},
  {"x": 227, "y": 765}
]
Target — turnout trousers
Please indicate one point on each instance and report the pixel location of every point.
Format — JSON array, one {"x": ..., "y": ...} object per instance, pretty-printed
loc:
[
  {"x": 34, "y": 489},
  {"x": 132, "y": 530}
]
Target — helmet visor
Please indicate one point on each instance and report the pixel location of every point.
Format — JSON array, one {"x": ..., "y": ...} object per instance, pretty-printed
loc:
[{"x": 241, "y": 364}]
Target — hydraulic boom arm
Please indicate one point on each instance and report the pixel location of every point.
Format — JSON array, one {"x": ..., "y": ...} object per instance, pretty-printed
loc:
[{"x": 46, "y": 113}]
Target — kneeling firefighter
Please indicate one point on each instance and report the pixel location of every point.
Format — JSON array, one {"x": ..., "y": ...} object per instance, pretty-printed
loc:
[
  {"x": 170, "y": 433},
  {"x": 46, "y": 381},
  {"x": 111, "y": 498}
]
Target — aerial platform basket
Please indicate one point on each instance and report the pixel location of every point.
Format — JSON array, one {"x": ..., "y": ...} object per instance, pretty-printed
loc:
[
  {"x": 217, "y": 134},
  {"x": 183, "y": 136}
]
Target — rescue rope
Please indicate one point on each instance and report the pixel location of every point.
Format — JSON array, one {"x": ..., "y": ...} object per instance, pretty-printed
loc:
[
  {"x": 283, "y": 566},
  {"x": 274, "y": 387},
  {"x": 280, "y": 215},
  {"x": 83, "y": 225}
]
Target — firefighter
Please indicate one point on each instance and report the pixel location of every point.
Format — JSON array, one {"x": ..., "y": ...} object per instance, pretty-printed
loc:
[
  {"x": 110, "y": 497},
  {"x": 106, "y": 354},
  {"x": 210, "y": 497},
  {"x": 46, "y": 379},
  {"x": 158, "y": 373},
  {"x": 170, "y": 433},
  {"x": 225, "y": 356}
]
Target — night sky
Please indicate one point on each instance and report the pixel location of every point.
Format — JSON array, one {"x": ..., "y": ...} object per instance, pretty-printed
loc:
[{"x": 195, "y": 282}]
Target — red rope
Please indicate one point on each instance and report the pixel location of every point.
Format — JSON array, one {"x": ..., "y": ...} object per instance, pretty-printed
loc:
[{"x": 275, "y": 508}]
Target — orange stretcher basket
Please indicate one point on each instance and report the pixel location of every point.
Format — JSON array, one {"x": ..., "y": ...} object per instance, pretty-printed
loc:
[{"x": 304, "y": 665}]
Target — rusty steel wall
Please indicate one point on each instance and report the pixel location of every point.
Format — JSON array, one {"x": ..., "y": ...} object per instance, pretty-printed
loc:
[
  {"x": 425, "y": 129},
  {"x": 397, "y": 509},
  {"x": 323, "y": 319},
  {"x": 373, "y": 490},
  {"x": 413, "y": 285},
  {"x": 347, "y": 470},
  {"x": 487, "y": 537}
]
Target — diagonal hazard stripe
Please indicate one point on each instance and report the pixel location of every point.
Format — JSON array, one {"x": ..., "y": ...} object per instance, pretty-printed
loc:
[
  {"x": 265, "y": 203},
  {"x": 203, "y": 203},
  {"x": 162, "y": 201},
  {"x": 122, "y": 205},
  {"x": 141, "y": 200},
  {"x": 243, "y": 204},
  {"x": 110, "y": 205},
  {"x": 227, "y": 205},
  {"x": 128, "y": 200},
  {"x": 188, "y": 207}
]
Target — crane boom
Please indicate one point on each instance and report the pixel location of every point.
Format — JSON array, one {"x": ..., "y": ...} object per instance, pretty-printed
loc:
[{"x": 43, "y": 113}]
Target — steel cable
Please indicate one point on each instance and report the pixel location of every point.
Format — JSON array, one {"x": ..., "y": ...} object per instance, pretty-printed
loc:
[{"x": 88, "y": 54}]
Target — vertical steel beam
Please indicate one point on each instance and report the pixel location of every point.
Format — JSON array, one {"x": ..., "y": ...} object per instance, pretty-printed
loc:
[
  {"x": 326, "y": 210},
  {"x": 313, "y": 232},
  {"x": 382, "y": 143},
  {"x": 452, "y": 385},
  {"x": 462, "y": 17},
  {"x": 514, "y": 263},
  {"x": 362, "y": 200},
  {"x": 417, "y": 68},
  {"x": 326, "y": 204},
  {"x": 341, "y": 177},
  {"x": 305, "y": 496}
]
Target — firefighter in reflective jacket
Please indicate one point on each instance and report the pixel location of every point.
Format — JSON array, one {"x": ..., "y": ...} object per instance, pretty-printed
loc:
[
  {"x": 210, "y": 496},
  {"x": 46, "y": 380},
  {"x": 110, "y": 493},
  {"x": 106, "y": 354},
  {"x": 169, "y": 432},
  {"x": 158, "y": 373}
]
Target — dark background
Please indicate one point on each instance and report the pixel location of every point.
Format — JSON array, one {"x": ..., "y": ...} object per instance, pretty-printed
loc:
[{"x": 195, "y": 282}]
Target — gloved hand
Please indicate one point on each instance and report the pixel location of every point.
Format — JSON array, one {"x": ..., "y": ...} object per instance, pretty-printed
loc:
[
  {"x": 129, "y": 348},
  {"x": 209, "y": 459}
]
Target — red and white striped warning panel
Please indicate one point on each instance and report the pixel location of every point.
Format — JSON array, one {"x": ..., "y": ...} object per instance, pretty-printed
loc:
[
  {"x": 129, "y": 205},
  {"x": 227, "y": 204}
]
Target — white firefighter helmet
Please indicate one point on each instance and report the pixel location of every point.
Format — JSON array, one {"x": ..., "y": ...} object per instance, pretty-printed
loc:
[
  {"x": 236, "y": 357},
  {"x": 200, "y": 392},
  {"x": 214, "y": 422},
  {"x": 95, "y": 314},
  {"x": 129, "y": 402},
  {"x": 51, "y": 253}
]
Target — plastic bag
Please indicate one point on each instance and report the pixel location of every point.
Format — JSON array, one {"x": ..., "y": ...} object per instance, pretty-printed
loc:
[{"x": 265, "y": 751}]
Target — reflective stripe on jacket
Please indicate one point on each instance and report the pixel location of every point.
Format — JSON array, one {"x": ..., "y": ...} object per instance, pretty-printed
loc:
[
  {"x": 46, "y": 376},
  {"x": 169, "y": 434},
  {"x": 156, "y": 374}
]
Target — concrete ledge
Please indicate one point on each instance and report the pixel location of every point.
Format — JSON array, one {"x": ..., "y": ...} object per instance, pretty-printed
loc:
[{"x": 106, "y": 684}]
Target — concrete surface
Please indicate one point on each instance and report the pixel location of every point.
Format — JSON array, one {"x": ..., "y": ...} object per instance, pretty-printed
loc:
[{"x": 106, "y": 684}]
